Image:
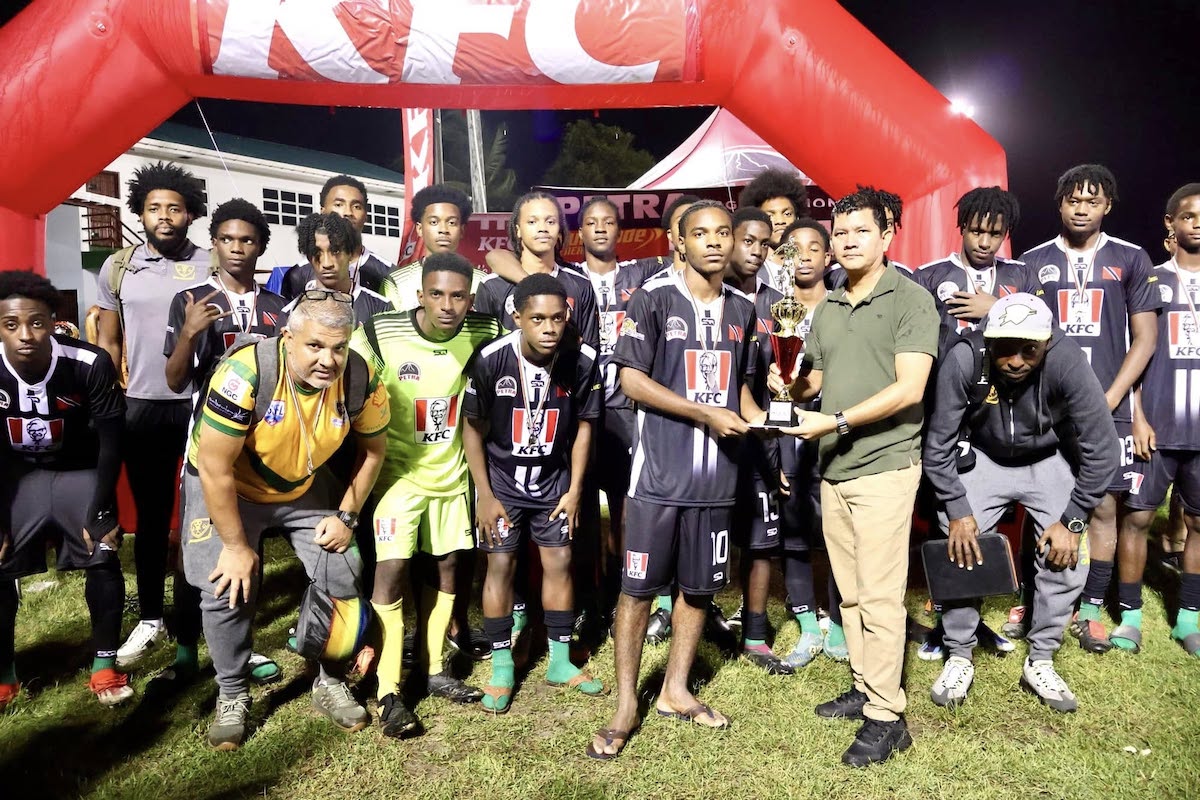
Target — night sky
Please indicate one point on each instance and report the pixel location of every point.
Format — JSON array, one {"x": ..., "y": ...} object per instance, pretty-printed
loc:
[{"x": 1055, "y": 83}]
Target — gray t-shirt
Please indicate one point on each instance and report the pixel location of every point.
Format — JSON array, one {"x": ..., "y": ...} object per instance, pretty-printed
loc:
[{"x": 150, "y": 283}]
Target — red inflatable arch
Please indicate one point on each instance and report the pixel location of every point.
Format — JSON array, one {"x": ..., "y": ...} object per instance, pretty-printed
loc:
[{"x": 82, "y": 80}]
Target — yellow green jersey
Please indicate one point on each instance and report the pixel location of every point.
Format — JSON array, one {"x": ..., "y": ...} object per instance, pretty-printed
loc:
[
  {"x": 425, "y": 380},
  {"x": 401, "y": 285}
]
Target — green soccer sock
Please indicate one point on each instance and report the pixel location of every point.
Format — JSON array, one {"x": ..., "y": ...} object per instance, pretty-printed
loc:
[
  {"x": 99, "y": 663},
  {"x": 560, "y": 669},
  {"x": 1089, "y": 612},
  {"x": 520, "y": 620},
  {"x": 836, "y": 637},
  {"x": 503, "y": 669},
  {"x": 808, "y": 623},
  {"x": 1186, "y": 624},
  {"x": 666, "y": 602},
  {"x": 187, "y": 657},
  {"x": 8, "y": 673},
  {"x": 1133, "y": 618}
]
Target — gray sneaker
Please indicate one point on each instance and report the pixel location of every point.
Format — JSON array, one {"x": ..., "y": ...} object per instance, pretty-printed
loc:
[
  {"x": 228, "y": 727},
  {"x": 951, "y": 687},
  {"x": 1041, "y": 679},
  {"x": 335, "y": 701}
]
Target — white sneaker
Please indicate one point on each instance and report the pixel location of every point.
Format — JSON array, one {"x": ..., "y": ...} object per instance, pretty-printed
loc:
[
  {"x": 1041, "y": 679},
  {"x": 951, "y": 687},
  {"x": 144, "y": 637}
]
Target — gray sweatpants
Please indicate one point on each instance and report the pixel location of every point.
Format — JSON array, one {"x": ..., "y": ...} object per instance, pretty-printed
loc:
[
  {"x": 228, "y": 630},
  {"x": 1043, "y": 489}
]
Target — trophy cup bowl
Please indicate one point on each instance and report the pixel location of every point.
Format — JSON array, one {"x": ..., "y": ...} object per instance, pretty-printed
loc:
[{"x": 786, "y": 343}]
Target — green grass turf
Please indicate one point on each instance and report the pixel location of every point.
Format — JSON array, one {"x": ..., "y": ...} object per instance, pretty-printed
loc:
[{"x": 57, "y": 742}]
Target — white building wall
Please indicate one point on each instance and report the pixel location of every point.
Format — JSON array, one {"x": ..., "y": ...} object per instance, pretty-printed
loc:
[{"x": 247, "y": 178}]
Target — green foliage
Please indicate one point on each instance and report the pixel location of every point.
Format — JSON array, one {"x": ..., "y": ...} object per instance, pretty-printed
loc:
[{"x": 597, "y": 156}]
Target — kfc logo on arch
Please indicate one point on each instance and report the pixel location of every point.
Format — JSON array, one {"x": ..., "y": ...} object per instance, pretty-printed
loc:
[
  {"x": 707, "y": 376},
  {"x": 447, "y": 42}
]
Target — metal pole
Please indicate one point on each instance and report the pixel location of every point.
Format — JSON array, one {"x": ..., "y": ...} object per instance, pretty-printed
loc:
[{"x": 475, "y": 149}]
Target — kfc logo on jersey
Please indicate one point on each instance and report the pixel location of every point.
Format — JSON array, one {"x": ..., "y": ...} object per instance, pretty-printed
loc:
[
  {"x": 533, "y": 433},
  {"x": 636, "y": 564},
  {"x": 707, "y": 376},
  {"x": 610, "y": 328},
  {"x": 35, "y": 435},
  {"x": 1182, "y": 335},
  {"x": 675, "y": 328},
  {"x": 436, "y": 419},
  {"x": 1079, "y": 312}
]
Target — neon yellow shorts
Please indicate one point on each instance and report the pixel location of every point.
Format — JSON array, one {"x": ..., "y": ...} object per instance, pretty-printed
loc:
[{"x": 406, "y": 522}]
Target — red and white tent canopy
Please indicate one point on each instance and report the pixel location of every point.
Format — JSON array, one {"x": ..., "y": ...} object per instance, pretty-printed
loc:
[{"x": 722, "y": 152}]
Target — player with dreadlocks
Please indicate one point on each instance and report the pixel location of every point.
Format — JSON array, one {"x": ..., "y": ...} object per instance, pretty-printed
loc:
[
  {"x": 134, "y": 292},
  {"x": 1104, "y": 294},
  {"x": 966, "y": 283}
]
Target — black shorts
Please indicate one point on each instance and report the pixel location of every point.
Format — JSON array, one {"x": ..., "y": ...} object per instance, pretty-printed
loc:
[
  {"x": 614, "y": 451},
  {"x": 756, "y": 522},
  {"x": 40, "y": 507},
  {"x": 665, "y": 544},
  {"x": 1128, "y": 472},
  {"x": 800, "y": 515},
  {"x": 527, "y": 524},
  {"x": 1154, "y": 477}
]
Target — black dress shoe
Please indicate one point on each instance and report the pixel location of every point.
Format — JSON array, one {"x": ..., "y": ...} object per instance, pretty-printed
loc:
[
  {"x": 877, "y": 741},
  {"x": 848, "y": 705}
]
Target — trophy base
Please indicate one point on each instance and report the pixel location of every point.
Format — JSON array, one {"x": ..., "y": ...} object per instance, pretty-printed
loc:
[{"x": 780, "y": 414}]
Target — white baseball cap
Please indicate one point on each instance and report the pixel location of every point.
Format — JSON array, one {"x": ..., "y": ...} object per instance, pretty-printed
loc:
[{"x": 1019, "y": 316}]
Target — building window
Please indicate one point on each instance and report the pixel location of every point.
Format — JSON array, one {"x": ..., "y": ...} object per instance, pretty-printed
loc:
[
  {"x": 106, "y": 183},
  {"x": 383, "y": 221},
  {"x": 281, "y": 207}
]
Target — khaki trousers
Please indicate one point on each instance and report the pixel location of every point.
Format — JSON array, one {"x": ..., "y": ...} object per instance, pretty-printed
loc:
[{"x": 867, "y": 522}]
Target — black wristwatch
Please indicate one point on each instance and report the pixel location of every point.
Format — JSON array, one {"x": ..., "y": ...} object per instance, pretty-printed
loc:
[
  {"x": 348, "y": 518},
  {"x": 1076, "y": 525},
  {"x": 843, "y": 427}
]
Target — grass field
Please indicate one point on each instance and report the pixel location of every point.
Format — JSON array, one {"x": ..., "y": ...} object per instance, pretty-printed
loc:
[{"x": 57, "y": 742}]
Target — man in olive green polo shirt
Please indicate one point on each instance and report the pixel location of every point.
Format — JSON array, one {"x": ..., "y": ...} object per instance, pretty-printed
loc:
[{"x": 869, "y": 354}]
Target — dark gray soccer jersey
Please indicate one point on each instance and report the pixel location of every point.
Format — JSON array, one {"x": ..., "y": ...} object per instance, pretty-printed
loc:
[
  {"x": 366, "y": 303},
  {"x": 495, "y": 297},
  {"x": 368, "y": 272},
  {"x": 702, "y": 354},
  {"x": 48, "y": 424},
  {"x": 533, "y": 417},
  {"x": 613, "y": 291},
  {"x": 1091, "y": 298},
  {"x": 259, "y": 313},
  {"x": 943, "y": 278},
  {"x": 1171, "y": 383}
]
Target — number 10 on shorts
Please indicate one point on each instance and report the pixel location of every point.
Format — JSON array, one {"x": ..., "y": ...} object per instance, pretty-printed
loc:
[{"x": 720, "y": 547}]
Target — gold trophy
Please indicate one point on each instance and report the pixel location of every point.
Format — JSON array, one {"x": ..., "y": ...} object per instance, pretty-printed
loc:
[{"x": 785, "y": 342}]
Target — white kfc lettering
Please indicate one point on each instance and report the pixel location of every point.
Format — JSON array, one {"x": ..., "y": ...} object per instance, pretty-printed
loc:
[{"x": 313, "y": 30}]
